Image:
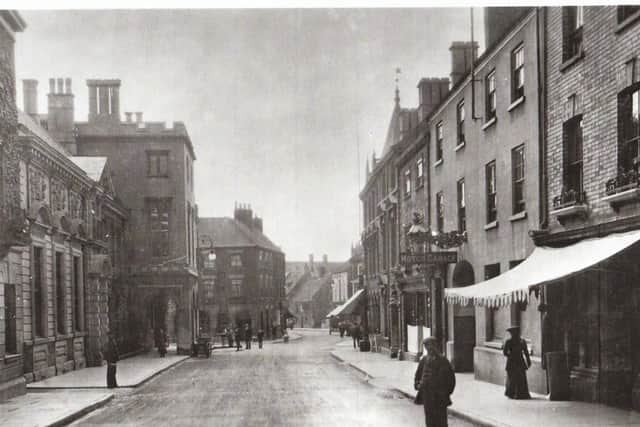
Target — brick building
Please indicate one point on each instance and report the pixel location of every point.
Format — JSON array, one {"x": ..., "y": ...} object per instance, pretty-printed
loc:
[
  {"x": 242, "y": 275},
  {"x": 592, "y": 168},
  {"x": 152, "y": 171}
]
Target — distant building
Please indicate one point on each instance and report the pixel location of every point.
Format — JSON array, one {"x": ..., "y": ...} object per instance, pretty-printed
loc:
[{"x": 242, "y": 275}]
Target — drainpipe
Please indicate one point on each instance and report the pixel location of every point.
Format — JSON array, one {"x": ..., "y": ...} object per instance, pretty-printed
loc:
[{"x": 541, "y": 53}]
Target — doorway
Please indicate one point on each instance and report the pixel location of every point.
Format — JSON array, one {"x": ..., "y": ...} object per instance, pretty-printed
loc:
[{"x": 464, "y": 321}]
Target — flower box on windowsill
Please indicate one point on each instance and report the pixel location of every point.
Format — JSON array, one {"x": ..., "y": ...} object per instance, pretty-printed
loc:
[
  {"x": 460, "y": 146},
  {"x": 627, "y": 196},
  {"x": 489, "y": 123},
  {"x": 515, "y": 104}
]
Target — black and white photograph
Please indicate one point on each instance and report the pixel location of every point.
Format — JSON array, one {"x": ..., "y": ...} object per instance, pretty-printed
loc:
[{"x": 265, "y": 214}]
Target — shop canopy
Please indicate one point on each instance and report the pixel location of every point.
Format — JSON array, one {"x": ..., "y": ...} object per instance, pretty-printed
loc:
[
  {"x": 544, "y": 265},
  {"x": 349, "y": 306}
]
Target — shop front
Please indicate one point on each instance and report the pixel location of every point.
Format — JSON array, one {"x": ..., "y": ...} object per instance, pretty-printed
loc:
[{"x": 588, "y": 297}]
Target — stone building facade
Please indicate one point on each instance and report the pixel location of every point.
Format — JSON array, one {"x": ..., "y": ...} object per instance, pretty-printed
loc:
[
  {"x": 12, "y": 219},
  {"x": 152, "y": 172},
  {"x": 592, "y": 168},
  {"x": 242, "y": 275}
]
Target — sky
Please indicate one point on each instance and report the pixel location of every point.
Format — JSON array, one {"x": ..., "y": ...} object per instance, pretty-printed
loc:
[{"x": 283, "y": 106}]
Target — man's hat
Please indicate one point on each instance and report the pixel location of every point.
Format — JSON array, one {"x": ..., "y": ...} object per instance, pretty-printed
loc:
[
  {"x": 513, "y": 328},
  {"x": 430, "y": 341}
]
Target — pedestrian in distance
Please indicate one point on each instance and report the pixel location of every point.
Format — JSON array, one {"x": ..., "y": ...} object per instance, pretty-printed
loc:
[
  {"x": 435, "y": 381},
  {"x": 247, "y": 336},
  {"x": 518, "y": 361},
  {"x": 341, "y": 328},
  {"x": 237, "y": 338},
  {"x": 355, "y": 335},
  {"x": 260, "y": 338},
  {"x": 229, "y": 334},
  {"x": 111, "y": 355},
  {"x": 162, "y": 343}
]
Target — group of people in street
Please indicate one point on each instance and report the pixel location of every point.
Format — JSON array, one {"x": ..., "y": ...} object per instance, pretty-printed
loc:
[
  {"x": 237, "y": 335},
  {"x": 435, "y": 380}
]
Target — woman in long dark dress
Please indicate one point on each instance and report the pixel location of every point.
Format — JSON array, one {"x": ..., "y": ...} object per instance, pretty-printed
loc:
[{"x": 518, "y": 361}]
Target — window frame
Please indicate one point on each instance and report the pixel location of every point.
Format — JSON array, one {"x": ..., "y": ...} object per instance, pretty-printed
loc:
[
  {"x": 490, "y": 96},
  {"x": 76, "y": 283},
  {"x": 629, "y": 142},
  {"x": 39, "y": 294},
  {"x": 440, "y": 211},
  {"x": 236, "y": 287},
  {"x": 159, "y": 235},
  {"x": 460, "y": 116},
  {"x": 518, "y": 177},
  {"x": 491, "y": 196},
  {"x": 420, "y": 172},
  {"x": 154, "y": 165},
  {"x": 462, "y": 206},
  {"x": 439, "y": 140},
  {"x": 573, "y": 173},
  {"x": 61, "y": 309},
  {"x": 407, "y": 182},
  {"x": 11, "y": 319},
  {"x": 233, "y": 258},
  {"x": 517, "y": 73}
]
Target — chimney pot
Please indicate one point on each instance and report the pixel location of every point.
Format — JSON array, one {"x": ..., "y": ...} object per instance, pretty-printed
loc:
[
  {"x": 52, "y": 85},
  {"x": 67, "y": 84},
  {"x": 138, "y": 117},
  {"x": 128, "y": 116},
  {"x": 463, "y": 54},
  {"x": 60, "y": 86}
]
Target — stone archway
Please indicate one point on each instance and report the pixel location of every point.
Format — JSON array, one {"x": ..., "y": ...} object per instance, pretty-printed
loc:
[{"x": 464, "y": 321}]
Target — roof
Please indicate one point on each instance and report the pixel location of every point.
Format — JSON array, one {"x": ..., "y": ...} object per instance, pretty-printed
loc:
[
  {"x": 349, "y": 306},
  {"x": 341, "y": 268},
  {"x": 305, "y": 292},
  {"x": 228, "y": 232},
  {"x": 33, "y": 127},
  {"x": 92, "y": 166}
]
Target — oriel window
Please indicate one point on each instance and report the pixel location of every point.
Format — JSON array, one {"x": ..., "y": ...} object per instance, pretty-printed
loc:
[
  {"x": 517, "y": 176},
  {"x": 492, "y": 195},
  {"x": 517, "y": 73}
]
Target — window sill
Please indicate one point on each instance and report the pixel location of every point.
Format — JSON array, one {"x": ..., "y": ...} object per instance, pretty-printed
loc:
[
  {"x": 490, "y": 123},
  {"x": 42, "y": 340},
  {"x": 491, "y": 225},
  {"x": 518, "y": 216},
  {"x": 515, "y": 104},
  {"x": 627, "y": 23},
  {"x": 157, "y": 176},
  {"x": 460, "y": 146},
  {"x": 419, "y": 187},
  {"x": 571, "y": 61},
  {"x": 9, "y": 358},
  {"x": 438, "y": 163}
]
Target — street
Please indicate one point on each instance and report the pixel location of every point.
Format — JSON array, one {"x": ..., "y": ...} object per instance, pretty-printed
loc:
[{"x": 295, "y": 384}]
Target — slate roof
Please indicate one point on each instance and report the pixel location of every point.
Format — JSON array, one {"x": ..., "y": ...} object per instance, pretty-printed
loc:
[
  {"x": 228, "y": 232},
  {"x": 25, "y": 120},
  {"x": 92, "y": 166},
  {"x": 304, "y": 292}
]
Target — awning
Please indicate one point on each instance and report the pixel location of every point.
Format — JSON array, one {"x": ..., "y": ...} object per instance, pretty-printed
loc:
[
  {"x": 349, "y": 306},
  {"x": 544, "y": 265}
]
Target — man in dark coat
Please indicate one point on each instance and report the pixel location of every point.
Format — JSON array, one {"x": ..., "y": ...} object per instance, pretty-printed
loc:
[
  {"x": 355, "y": 334},
  {"x": 435, "y": 381},
  {"x": 260, "y": 338},
  {"x": 111, "y": 355},
  {"x": 237, "y": 337},
  {"x": 247, "y": 336}
]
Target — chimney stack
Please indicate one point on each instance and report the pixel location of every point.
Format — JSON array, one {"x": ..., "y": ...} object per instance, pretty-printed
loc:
[
  {"x": 431, "y": 91},
  {"x": 60, "y": 120},
  {"x": 243, "y": 213},
  {"x": 311, "y": 262},
  {"x": 499, "y": 20},
  {"x": 128, "y": 116},
  {"x": 138, "y": 117},
  {"x": 104, "y": 100},
  {"x": 30, "y": 97},
  {"x": 462, "y": 56},
  {"x": 257, "y": 223},
  {"x": 325, "y": 259}
]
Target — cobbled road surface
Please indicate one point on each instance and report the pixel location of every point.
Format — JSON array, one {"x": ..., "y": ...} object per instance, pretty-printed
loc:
[{"x": 294, "y": 384}]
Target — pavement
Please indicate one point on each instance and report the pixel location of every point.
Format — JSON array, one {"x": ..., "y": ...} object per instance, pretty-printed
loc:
[
  {"x": 59, "y": 400},
  {"x": 298, "y": 384},
  {"x": 55, "y": 408},
  {"x": 483, "y": 403},
  {"x": 131, "y": 372}
]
